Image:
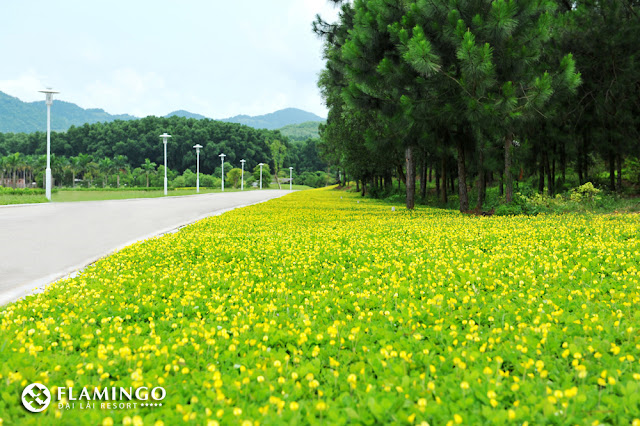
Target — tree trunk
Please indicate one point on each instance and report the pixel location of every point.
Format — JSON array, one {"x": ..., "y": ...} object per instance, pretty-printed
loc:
[
  {"x": 585, "y": 158},
  {"x": 437, "y": 183},
  {"x": 411, "y": 177},
  {"x": 423, "y": 177},
  {"x": 508, "y": 142},
  {"x": 147, "y": 180},
  {"x": 553, "y": 174},
  {"x": 357, "y": 185},
  {"x": 541, "y": 176},
  {"x": 452, "y": 180},
  {"x": 401, "y": 177},
  {"x": 364, "y": 187},
  {"x": 444, "y": 179},
  {"x": 430, "y": 173},
  {"x": 579, "y": 164},
  {"x": 462, "y": 177},
  {"x": 619, "y": 174},
  {"x": 547, "y": 168},
  {"x": 482, "y": 181},
  {"x": 612, "y": 172},
  {"x": 563, "y": 163},
  {"x": 278, "y": 180}
]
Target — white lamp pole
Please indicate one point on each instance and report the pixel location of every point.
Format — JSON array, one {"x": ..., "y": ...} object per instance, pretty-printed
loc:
[
  {"x": 222, "y": 158},
  {"x": 197, "y": 147},
  {"x": 47, "y": 174},
  {"x": 290, "y": 178},
  {"x": 242, "y": 179},
  {"x": 164, "y": 137},
  {"x": 261, "y": 164}
]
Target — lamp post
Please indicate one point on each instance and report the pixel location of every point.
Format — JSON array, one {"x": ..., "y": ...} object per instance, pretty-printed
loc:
[
  {"x": 242, "y": 179},
  {"x": 290, "y": 178},
  {"x": 164, "y": 137},
  {"x": 47, "y": 175},
  {"x": 222, "y": 158},
  {"x": 261, "y": 164},
  {"x": 197, "y": 147}
]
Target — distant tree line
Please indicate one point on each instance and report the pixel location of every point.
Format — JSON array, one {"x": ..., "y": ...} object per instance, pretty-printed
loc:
[
  {"x": 114, "y": 149},
  {"x": 474, "y": 93}
]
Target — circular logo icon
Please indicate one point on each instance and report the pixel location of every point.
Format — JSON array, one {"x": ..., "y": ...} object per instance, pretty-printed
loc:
[{"x": 36, "y": 397}]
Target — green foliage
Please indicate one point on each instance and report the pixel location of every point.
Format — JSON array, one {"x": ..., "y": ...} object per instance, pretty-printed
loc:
[
  {"x": 314, "y": 180},
  {"x": 234, "y": 177},
  {"x": 266, "y": 175},
  {"x": 138, "y": 140},
  {"x": 587, "y": 193}
]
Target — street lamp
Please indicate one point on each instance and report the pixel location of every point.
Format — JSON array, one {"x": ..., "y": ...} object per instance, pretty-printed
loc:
[
  {"x": 242, "y": 179},
  {"x": 197, "y": 147},
  {"x": 290, "y": 178},
  {"x": 47, "y": 175},
  {"x": 164, "y": 137},
  {"x": 222, "y": 158},
  {"x": 261, "y": 164}
]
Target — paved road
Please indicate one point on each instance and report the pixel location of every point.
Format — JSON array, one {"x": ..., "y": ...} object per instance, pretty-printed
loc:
[{"x": 40, "y": 243}]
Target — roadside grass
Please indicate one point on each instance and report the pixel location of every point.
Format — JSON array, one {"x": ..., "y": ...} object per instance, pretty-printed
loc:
[
  {"x": 321, "y": 307},
  {"x": 21, "y": 195},
  {"x": 6, "y": 199},
  {"x": 98, "y": 194}
]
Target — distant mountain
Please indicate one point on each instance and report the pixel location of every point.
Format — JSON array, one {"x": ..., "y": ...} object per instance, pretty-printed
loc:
[
  {"x": 17, "y": 116},
  {"x": 275, "y": 120},
  {"x": 186, "y": 114},
  {"x": 302, "y": 131}
]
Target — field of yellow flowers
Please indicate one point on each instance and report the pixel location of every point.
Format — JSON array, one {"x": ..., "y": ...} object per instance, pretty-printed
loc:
[{"x": 324, "y": 308}]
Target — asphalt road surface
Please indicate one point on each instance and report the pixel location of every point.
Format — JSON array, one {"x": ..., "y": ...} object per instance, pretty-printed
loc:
[{"x": 41, "y": 243}]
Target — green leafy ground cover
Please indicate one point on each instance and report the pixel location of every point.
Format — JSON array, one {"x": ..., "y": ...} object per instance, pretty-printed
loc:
[{"x": 324, "y": 308}]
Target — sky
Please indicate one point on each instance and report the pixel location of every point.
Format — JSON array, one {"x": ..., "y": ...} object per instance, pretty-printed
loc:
[{"x": 140, "y": 57}]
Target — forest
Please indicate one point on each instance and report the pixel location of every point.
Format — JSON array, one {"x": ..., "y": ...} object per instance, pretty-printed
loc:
[
  {"x": 477, "y": 94},
  {"x": 102, "y": 151}
]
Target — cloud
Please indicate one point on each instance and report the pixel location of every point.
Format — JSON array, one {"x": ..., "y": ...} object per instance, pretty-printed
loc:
[
  {"x": 25, "y": 86},
  {"x": 126, "y": 91}
]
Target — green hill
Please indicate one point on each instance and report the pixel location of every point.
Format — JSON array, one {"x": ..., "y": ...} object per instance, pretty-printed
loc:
[
  {"x": 275, "y": 120},
  {"x": 302, "y": 131},
  {"x": 185, "y": 114},
  {"x": 17, "y": 116}
]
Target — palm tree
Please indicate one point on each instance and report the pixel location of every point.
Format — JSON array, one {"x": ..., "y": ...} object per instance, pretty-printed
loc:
[
  {"x": 84, "y": 160},
  {"x": 149, "y": 168},
  {"x": 91, "y": 170},
  {"x": 121, "y": 165},
  {"x": 41, "y": 164},
  {"x": 57, "y": 169},
  {"x": 76, "y": 167},
  {"x": 13, "y": 162},
  {"x": 2, "y": 169},
  {"x": 106, "y": 167}
]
